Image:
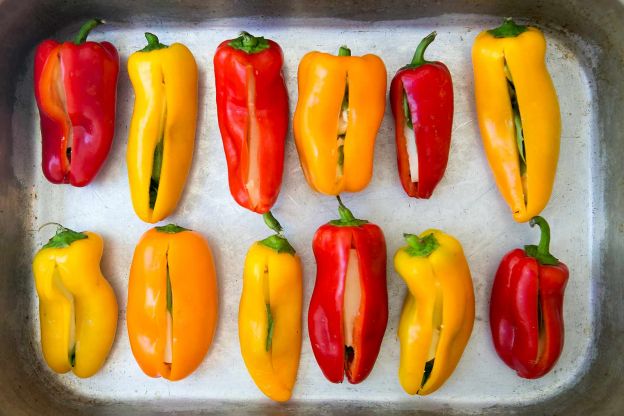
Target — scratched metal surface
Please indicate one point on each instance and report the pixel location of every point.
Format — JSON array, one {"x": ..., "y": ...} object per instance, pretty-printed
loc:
[{"x": 466, "y": 204}]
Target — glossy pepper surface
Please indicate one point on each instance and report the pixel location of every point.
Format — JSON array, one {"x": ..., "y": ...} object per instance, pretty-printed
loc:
[
  {"x": 162, "y": 130},
  {"x": 77, "y": 306},
  {"x": 172, "y": 302},
  {"x": 349, "y": 307},
  {"x": 269, "y": 316},
  {"x": 518, "y": 115},
  {"x": 340, "y": 108},
  {"x": 526, "y": 308},
  {"x": 252, "y": 107},
  {"x": 76, "y": 88},
  {"x": 421, "y": 94},
  {"x": 438, "y": 312}
]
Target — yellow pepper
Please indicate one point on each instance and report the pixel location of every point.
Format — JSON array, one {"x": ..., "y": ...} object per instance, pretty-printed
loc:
[
  {"x": 438, "y": 312},
  {"x": 269, "y": 317},
  {"x": 518, "y": 115},
  {"x": 77, "y": 306},
  {"x": 162, "y": 131},
  {"x": 340, "y": 108}
]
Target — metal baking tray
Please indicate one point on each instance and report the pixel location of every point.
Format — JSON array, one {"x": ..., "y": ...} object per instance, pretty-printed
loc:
[{"x": 585, "y": 57}]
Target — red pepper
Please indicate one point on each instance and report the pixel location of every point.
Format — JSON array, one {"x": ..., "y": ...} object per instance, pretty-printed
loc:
[
  {"x": 349, "y": 306},
  {"x": 526, "y": 309},
  {"x": 252, "y": 107},
  {"x": 76, "y": 90},
  {"x": 422, "y": 103}
]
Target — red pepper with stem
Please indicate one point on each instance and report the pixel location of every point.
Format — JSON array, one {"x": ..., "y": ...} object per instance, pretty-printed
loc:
[
  {"x": 421, "y": 94},
  {"x": 526, "y": 308},
  {"x": 76, "y": 88},
  {"x": 349, "y": 306},
  {"x": 252, "y": 108}
]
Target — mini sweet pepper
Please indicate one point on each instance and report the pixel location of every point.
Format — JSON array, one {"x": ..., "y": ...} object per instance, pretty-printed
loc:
[
  {"x": 269, "y": 316},
  {"x": 526, "y": 309},
  {"x": 77, "y": 306},
  {"x": 76, "y": 91},
  {"x": 348, "y": 311},
  {"x": 421, "y": 94},
  {"x": 172, "y": 302},
  {"x": 340, "y": 108},
  {"x": 438, "y": 312},
  {"x": 518, "y": 115},
  {"x": 252, "y": 107},
  {"x": 162, "y": 130}
]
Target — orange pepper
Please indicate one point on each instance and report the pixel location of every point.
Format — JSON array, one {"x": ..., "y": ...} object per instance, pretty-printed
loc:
[{"x": 172, "y": 302}]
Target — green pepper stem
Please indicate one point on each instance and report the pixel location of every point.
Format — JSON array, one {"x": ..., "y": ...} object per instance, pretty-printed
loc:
[
  {"x": 272, "y": 223},
  {"x": 541, "y": 252},
  {"x": 509, "y": 29},
  {"x": 171, "y": 229},
  {"x": 344, "y": 51},
  {"x": 344, "y": 212},
  {"x": 249, "y": 43},
  {"x": 152, "y": 43},
  {"x": 421, "y": 247},
  {"x": 85, "y": 29},
  {"x": 419, "y": 55}
]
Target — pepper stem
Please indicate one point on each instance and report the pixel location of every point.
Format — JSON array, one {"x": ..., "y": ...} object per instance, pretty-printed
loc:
[
  {"x": 421, "y": 247},
  {"x": 509, "y": 29},
  {"x": 344, "y": 51},
  {"x": 276, "y": 241},
  {"x": 249, "y": 43},
  {"x": 152, "y": 43},
  {"x": 171, "y": 229},
  {"x": 272, "y": 222},
  {"x": 541, "y": 252},
  {"x": 85, "y": 29},
  {"x": 419, "y": 55},
  {"x": 347, "y": 219}
]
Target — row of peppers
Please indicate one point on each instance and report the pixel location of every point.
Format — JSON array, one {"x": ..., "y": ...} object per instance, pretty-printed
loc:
[
  {"x": 339, "y": 111},
  {"x": 172, "y": 305},
  {"x": 340, "y": 108}
]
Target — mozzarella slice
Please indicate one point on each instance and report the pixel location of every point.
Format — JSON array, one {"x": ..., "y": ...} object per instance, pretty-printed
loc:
[
  {"x": 412, "y": 152},
  {"x": 352, "y": 297}
]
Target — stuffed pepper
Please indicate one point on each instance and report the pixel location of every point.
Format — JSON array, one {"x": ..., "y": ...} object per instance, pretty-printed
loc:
[
  {"x": 252, "y": 108},
  {"x": 162, "y": 130},
  {"x": 76, "y": 90},
  {"x": 421, "y": 94},
  {"x": 526, "y": 309},
  {"x": 172, "y": 302},
  {"x": 518, "y": 115},
  {"x": 269, "y": 316},
  {"x": 340, "y": 108},
  {"x": 438, "y": 312},
  {"x": 77, "y": 306},
  {"x": 348, "y": 311}
]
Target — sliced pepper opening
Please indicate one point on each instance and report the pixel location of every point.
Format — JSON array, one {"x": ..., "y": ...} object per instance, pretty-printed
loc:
[
  {"x": 343, "y": 123},
  {"x": 168, "y": 354},
  {"x": 267, "y": 301},
  {"x": 59, "y": 98},
  {"x": 541, "y": 327},
  {"x": 253, "y": 141},
  {"x": 410, "y": 140},
  {"x": 352, "y": 300},
  {"x": 71, "y": 329},
  {"x": 436, "y": 324},
  {"x": 159, "y": 152},
  {"x": 517, "y": 120}
]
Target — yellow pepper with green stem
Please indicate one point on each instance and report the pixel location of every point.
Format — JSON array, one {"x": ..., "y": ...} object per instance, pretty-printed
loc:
[
  {"x": 438, "y": 312},
  {"x": 518, "y": 115},
  {"x": 162, "y": 131},
  {"x": 340, "y": 108},
  {"x": 77, "y": 306},
  {"x": 269, "y": 317}
]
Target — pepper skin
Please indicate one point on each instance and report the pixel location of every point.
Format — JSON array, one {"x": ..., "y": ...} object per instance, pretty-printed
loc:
[
  {"x": 518, "y": 115},
  {"x": 349, "y": 306},
  {"x": 526, "y": 309},
  {"x": 438, "y": 312},
  {"x": 172, "y": 302},
  {"x": 269, "y": 316},
  {"x": 421, "y": 94},
  {"x": 76, "y": 88},
  {"x": 77, "y": 306},
  {"x": 162, "y": 130},
  {"x": 340, "y": 108},
  {"x": 252, "y": 107}
]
